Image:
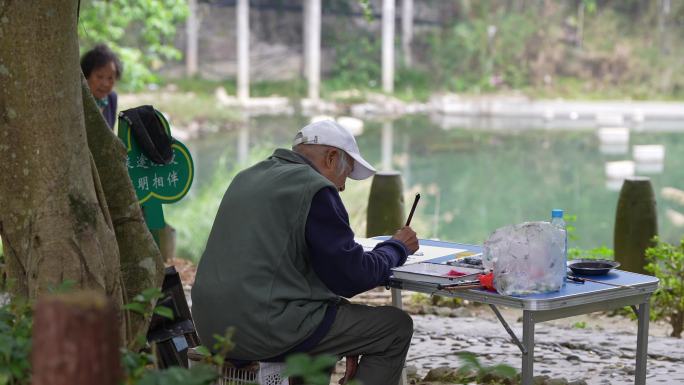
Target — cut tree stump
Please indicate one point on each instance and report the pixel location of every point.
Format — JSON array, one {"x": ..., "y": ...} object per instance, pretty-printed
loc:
[{"x": 75, "y": 340}]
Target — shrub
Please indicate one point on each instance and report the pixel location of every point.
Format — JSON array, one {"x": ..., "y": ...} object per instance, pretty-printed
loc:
[
  {"x": 15, "y": 342},
  {"x": 666, "y": 262}
]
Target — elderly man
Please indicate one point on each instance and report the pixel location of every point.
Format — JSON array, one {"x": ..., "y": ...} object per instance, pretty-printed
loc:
[{"x": 281, "y": 256}]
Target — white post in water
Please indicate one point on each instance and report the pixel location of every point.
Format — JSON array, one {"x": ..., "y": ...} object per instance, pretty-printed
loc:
[
  {"x": 387, "y": 145},
  {"x": 313, "y": 57},
  {"x": 388, "y": 46},
  {"x": 191, "y": 29},
  {"x": 305, "y": 39},
  {"x": 407, "y": 31},
  {"x": 243, "y": 143},
  {"x": 243, "y": 49}
]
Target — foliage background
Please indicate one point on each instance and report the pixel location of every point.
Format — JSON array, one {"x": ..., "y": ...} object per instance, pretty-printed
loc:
[{"x": 141, "y": 32}]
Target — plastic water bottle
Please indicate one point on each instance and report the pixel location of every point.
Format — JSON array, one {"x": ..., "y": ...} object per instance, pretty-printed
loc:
[{"x": 557, "y": 221}]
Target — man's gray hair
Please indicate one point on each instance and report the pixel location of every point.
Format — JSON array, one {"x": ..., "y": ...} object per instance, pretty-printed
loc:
[
  {"x": 311, "y": 150},
  {"x": 343, "y": 164}
]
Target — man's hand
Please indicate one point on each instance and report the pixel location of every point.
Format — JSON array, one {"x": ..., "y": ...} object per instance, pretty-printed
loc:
[
  {"x": 350, "y": 370},
  {"x": 407, "y": 236}
]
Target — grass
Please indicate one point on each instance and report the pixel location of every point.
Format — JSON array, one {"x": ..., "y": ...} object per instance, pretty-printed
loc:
[
  {"x": 290, "y": 89},
  {"x": 410, "y": 86},
  {"x": 193, "y": 216},
  {"x": 182, "y": 108},
  {"x": 577, "y": 89}
]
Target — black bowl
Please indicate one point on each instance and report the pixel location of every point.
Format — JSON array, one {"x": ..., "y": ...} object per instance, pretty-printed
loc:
[{"x": 592, "y": 266}]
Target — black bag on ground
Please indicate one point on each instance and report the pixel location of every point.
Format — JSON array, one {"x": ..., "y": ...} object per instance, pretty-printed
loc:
[{"x": 174, "y": 336}]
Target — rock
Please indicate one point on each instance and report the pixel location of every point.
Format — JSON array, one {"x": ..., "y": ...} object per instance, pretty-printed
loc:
[
  {"x": 539, "y": 380},
  {"x": 411, "y": 371},
  {"x": 461, "y": 312},
  {"x": 577, "y": 382},
  {"x": 443, "y": 311},
  {"x": 439, "y": 374},
  {"x": 557, "y": 381},
  {"x": 628, "y": 370}
]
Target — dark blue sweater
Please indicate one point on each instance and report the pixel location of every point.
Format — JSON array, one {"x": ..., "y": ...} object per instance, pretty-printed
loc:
[
  {"x": 341, "y": 263},
  {"x": 109, "y": 112}
]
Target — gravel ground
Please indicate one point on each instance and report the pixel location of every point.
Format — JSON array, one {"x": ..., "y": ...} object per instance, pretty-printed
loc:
[{"x": 595, "y": 348}]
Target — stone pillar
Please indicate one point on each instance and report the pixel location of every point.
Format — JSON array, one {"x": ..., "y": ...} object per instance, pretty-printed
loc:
[
  {"x": 407, "y": 31},
  {"x": 191, "y": 29},
  {"x": 313, "y": 65},
  {"x": 385, "y": 214},
  {"x": 388, "y": 46},
  {"x": 636, "y": 223},
  {"x": 242, "y": 13}
]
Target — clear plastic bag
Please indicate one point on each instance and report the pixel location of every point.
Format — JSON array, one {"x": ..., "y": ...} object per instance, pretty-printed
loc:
[{"x": 526, "y": 258}]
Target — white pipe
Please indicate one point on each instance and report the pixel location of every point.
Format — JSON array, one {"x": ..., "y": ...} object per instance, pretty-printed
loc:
[
  {"x": 407, "y": 30},
  {"x": 313, "y": 65},
  {"x": 243, "y": 49},
  {"x": 388, "y": 46},
  {"x": 191, "y": 28}
]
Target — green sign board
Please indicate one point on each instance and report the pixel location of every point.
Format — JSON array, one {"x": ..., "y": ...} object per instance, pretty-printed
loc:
[{"x": 156, "y": 184}]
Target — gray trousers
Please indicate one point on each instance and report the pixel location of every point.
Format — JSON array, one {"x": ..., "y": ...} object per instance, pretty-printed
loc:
[{"x": 381, "y": 335}]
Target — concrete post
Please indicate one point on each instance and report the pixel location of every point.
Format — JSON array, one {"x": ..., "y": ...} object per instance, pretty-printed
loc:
[
  {"x": 387, "y": 145},
  {"x": 388, "y": 46},
  {"x": 313, "y": 57},
  {"x": 636, "y": 223},
  {"x": 305, "y": 39},
  {"x": 243, "y": 143},
  {"x": 242, "y": 12},
  {"x": 385, "y": 213},
  {"x": 191, "y": 29},
  {"x": 407, "y": 31}
]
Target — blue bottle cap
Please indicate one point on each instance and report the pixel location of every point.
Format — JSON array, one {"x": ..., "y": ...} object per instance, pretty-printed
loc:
[{"x": 556, "y": 213}]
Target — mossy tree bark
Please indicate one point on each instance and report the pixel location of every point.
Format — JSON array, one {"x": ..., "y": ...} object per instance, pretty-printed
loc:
[
  {"x": 68, "y": 209},
  {"x": 53, "y": 221},
  {"x": 142, "y": 266}
]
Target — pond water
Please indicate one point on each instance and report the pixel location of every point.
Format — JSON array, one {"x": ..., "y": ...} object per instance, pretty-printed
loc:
[{"x": 478, "y": 177}]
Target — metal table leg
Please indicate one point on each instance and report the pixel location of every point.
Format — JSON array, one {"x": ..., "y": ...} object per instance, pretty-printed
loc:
[
  {"x": 528, "y": 342},
  {"x": 396, "y": 302},
  {"x": 510, "y": 332},
  {"x": 396, "y": 298},
  {"x": 642, "y": 343}
]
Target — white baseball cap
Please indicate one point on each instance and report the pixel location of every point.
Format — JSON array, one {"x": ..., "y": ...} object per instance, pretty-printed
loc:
[{"x": 330, "y": 133}]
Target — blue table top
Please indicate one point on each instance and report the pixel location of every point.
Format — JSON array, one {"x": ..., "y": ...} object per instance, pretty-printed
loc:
[{"x": 571, "y": 289}]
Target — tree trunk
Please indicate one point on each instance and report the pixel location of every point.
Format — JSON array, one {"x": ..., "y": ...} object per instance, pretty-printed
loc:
[
  {"x": 74, "y": 341},
  {"x": 53, "y": 223},
  {"x": 142, "y": 266}
]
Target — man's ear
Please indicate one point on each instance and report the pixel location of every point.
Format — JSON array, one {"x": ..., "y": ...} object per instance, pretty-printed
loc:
[{"x": 331, "y": 158}]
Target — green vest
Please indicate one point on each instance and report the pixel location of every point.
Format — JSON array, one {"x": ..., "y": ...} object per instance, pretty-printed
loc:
[{"x": 255, "y": 273}]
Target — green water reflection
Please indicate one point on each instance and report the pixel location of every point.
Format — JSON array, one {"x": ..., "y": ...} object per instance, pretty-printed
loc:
[{"x": 476, "y": 180}]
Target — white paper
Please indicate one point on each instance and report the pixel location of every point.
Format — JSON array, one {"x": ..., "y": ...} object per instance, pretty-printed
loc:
[
  {"x": 424, "y": 253},
  {"x": 434, "y": 273}
]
